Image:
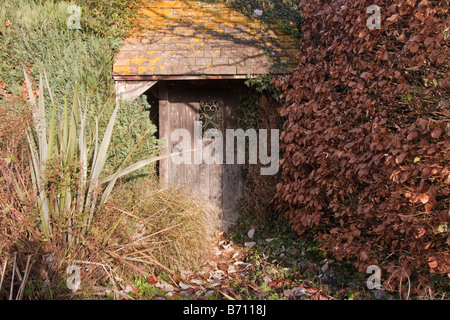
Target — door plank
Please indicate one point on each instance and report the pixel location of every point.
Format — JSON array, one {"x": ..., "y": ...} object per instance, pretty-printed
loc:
[
  {"x": 220, "y": 183},
  {"x": 231, "y": 182},
  {"x": 176, "y": 118},
  {"x": 164, "y": 130}
]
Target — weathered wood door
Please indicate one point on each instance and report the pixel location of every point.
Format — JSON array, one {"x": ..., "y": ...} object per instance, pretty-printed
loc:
[{"x": 215, "y": 104}]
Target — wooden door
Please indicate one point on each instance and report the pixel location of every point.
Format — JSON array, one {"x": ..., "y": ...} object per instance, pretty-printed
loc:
[{"x": 215, "y": 105}]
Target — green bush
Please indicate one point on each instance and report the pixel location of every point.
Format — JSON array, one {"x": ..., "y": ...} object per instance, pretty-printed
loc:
[
  {"x": 38, "y": 37},
  {"x": 68, "y": 164},
  {"x": 133, "y": 124},
  {"x": 34, "y": 35}
]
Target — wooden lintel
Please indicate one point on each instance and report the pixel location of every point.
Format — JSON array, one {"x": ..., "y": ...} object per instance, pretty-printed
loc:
[{"x": 178, "y": 77}]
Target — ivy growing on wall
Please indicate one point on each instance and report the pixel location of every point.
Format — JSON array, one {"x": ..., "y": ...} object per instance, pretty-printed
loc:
[{"x": 285, "y": 13}]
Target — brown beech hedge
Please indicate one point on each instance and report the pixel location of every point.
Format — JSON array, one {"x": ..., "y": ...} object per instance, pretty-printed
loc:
[{"x": 365, "y": 144}]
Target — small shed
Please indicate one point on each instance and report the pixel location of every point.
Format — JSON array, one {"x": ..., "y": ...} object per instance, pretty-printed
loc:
[{"x": 192, "y": 57}]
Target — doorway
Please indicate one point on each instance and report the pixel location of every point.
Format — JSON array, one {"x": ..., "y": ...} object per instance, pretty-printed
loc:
[{"x": 214, "y": 103}]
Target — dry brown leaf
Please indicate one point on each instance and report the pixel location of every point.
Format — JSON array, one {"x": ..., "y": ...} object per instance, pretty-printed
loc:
[
  {"x": 348, "y": 107},
  {"x": 414, "y": 47},
  {"x": 364, "y": 256},
  {"x": 393, "y": 18},
  {"x": 447, "y": 180},
  {"x": 436, "y": 133},
  {"x": 432, "y": 263},
  {"x": 424, "y": 198},
  {"x": 152, "y": 279},
  {"x": 419, "y": 15}
]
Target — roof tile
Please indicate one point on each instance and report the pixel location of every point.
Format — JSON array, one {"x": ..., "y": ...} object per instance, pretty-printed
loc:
[{"x": 184, "y": 37}]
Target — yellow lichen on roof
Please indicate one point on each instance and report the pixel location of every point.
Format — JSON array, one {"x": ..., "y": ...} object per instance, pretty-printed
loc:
[{"x": 195, "y": 37}]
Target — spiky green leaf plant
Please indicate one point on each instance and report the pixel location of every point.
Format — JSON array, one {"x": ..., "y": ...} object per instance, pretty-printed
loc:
[{"x": 70, "y": 147}]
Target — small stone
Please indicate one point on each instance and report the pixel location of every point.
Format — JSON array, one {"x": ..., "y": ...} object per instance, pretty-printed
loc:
[
  {"x": 128, "y": 289},
  {"x": 209, "y": 293},
  {"x": 197, "y": 282},
  {"x": 185, "y": 286},
  {"x": 185, "y": 293},
  {"x": 231, "y": 269},
  {"x": 164, "y": 286}
]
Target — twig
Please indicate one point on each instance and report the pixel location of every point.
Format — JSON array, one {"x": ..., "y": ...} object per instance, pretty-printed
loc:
[
  {"x": 126, "y": 212},
  {"x": 104, "y": 268},
  {"x": 12, "y": 277},
  {"x": 25, "y": 279},
  {"x": 116, "y": 292},
  {"x": 18, "y": 273},
  {"x": 141, "y": 251},
  {"x": 116, "y": 256},
  {"x": 154, "y": 243},
  {"x": 409, "y": 284},
  {"x": 3, "y": 273},
  {"x": 400, "y": 284},
  {"x": 42, "y": 26},
  {"x": 154, "y": 262},
  {"x": 155, "y": 233}
]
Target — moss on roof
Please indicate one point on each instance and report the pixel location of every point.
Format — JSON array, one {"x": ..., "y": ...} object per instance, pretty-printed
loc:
[{"x": 199, "y": 38}]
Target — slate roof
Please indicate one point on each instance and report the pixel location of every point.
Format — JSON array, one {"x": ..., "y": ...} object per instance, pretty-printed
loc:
[{"x": 199, "y": 38}]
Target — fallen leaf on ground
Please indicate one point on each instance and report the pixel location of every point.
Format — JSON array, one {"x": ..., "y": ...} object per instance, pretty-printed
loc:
[
  {"x": 197, "y": 282},
  {"x": 319, "y": 296},
  {"x": 152, "y": 279},
  {"x": 278, "y": 283},
  {"x": 253, "y": 286},
  {"x": 164, "y": 286},
  {"x": 231, "y": 269},
  {"x": 222, "y": 266},
  {"x": 185, "y": 286}
]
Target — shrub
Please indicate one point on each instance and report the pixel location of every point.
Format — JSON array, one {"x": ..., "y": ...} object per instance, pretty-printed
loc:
[
  {"x": 16, "y": 199},
  {"x": 53, "y": 197},
  {"x": 38, "y": 37},
  {"x": 34, "y": 35},
  {"x": 258, "y": 110},
  {"x": 77, "y": 160},
  {"x": 133, "y": 124},
  {"x": 367, "y": 135}
]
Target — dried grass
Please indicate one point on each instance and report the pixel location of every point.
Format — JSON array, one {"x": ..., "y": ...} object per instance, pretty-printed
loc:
[
  {"x": 158, "y": 227},
  {"x": 146, "y": 229},
  {"x": 15, "y": 200}
]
